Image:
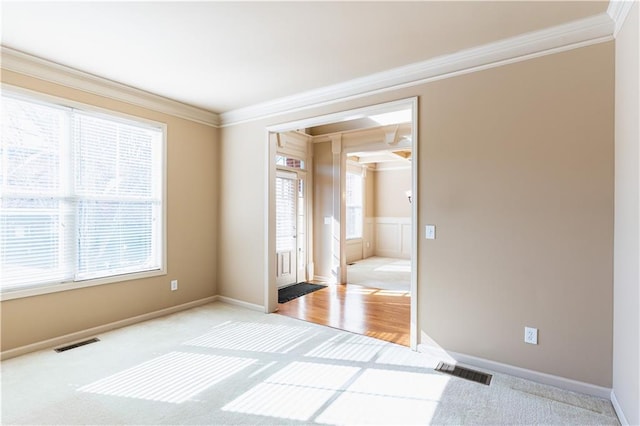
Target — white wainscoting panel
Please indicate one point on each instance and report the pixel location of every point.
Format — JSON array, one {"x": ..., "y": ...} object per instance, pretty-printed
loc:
[
  {"x": 354, "y": 250},
  {"x": 393, "y": 237}
]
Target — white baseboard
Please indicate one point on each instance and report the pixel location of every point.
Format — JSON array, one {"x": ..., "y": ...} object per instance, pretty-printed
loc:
[
  {"x": 324, "y": 279},
  {"x": 243, "y": 304},
  {"x": 535, "y": 376},
  {"x": 618, "y": 408},
  {"x": 90, "y": 332}
]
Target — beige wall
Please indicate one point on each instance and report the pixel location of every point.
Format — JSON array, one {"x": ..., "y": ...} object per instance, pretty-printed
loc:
[
  {"x": 370, "y": 184},
  {"x": 516, "y": 170},
  {"x": 391, "y": 200},
  {"x": 517, "y": 174},
  {"x": 192, "y": 180},
  {"x": 369, "y": 214},
  {"x": 626, "y": 331}
]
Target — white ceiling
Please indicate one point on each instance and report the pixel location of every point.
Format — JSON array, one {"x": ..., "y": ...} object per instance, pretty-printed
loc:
[{"x": 221, "y": 56}]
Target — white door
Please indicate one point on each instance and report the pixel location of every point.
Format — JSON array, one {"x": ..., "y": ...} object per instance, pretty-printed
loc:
[{"x": 286, "y": 229}]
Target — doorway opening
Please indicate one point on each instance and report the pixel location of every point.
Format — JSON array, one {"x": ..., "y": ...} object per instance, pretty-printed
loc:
[
  {"x": 335, "y": 205},
  {"x": 378, "y": 200}
]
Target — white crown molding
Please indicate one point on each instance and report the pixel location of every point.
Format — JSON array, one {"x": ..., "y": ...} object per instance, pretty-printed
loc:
[
  {"x": 572, "y": 35},
  {"x": 23, "y": 63},
  {"x": 618, "y": 11},
  {"x": 584, "y": 32}
]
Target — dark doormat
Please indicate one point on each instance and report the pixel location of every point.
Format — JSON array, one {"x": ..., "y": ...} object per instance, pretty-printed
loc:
[{"x": 294, "y": 291}]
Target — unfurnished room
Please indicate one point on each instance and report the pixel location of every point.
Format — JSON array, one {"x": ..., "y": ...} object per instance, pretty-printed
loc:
[{"x": 320, "y": 212}]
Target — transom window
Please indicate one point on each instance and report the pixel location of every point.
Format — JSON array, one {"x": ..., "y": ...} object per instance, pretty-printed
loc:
[
  {"x": 294, "y": 163},
  {"x": 81, "y": 195}
]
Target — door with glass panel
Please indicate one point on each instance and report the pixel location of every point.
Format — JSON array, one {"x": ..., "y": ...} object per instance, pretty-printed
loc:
[{"x": 286, "y": 228}]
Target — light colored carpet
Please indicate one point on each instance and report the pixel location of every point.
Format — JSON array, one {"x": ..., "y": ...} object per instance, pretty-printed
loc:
[
  {"x": 220, "y": 364},
  {"x": 381, "y": 272}
]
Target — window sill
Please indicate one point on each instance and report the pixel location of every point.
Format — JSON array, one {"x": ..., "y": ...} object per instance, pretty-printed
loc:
[{"x": 55, "y": 288}]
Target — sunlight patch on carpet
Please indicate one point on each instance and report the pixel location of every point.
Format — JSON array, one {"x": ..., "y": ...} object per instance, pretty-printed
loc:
[
  {"x": 387, "y": 397},
  {"x": 281, "y": 401},
  {"x": 296, "y": 392},
  {"x": 403, "y": 356},
  {"x": 401, "y": 384},
  {"x": 174, "y": 377},
  {"x": 257, "y": 337},
  {"x": 348, "y": 348}
]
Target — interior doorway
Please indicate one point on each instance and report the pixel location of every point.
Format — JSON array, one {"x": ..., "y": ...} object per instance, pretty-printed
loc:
[
  {"x": 353, "y": 141},
  {"x": 379, "y": 226}
]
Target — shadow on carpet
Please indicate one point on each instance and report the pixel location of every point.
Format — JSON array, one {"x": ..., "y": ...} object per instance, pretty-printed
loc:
[{"x": 287, "y": 294}]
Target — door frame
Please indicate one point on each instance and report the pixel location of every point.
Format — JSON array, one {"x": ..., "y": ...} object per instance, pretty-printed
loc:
[{"x": 270, "y": 286}]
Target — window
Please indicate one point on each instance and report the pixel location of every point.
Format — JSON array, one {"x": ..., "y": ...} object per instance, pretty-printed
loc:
[
  {"x": 354, "y": 205},
  {"x": 81, "y": 195},
  {"x": 294, "y": 163}
]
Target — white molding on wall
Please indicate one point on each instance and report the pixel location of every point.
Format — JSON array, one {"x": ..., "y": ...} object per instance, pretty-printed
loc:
[
  {"x": 23, "y": 63},
  {"x": 618, "y": 10},
  {"x": 395, "y": 247},
  {"x": 241, "y": 303},
  {"x": 618, "y": 409},
  {"x": 324, "y": 280},
  {"x": 596, "y": 29},
  {"x": 524, "y": 373},
  {"x": 90, "y": 332},
  {"x": 571, "y": 35}
]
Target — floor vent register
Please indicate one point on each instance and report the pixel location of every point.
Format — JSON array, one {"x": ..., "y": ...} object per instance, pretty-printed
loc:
[
  {"x": 77, "y": 345},
  {"x": 464, "y": 373}
]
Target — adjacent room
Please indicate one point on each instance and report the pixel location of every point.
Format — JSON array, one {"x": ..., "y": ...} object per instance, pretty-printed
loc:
[
  {"x": 169, "y": 169},
  {"x": 363, "y": 283}
]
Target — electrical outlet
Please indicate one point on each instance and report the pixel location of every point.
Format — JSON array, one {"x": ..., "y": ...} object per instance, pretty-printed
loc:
[
  {"x": 174, "y": 285},
  {"x": 531, "y": 335}
]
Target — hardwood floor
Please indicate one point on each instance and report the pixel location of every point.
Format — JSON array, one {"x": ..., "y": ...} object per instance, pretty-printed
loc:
[{"x": 383, "y": 314}]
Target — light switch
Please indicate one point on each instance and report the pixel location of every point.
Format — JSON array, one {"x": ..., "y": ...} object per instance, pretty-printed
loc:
[
  {"x": 327, "y": 220},
  {"x": 430, "y": 232}
]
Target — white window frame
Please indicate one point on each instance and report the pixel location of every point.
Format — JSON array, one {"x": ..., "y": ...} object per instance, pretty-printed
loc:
[{"x": 65, "y": 286}]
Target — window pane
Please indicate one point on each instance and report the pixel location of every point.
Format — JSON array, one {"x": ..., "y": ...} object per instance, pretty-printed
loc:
[
  {"x": 33, "y": 210},
  {"x": 31, "y": 142},
  {"x": 114, "y": 158},
  {"x": 294, "y": 163},
  {"x": 116, "y": 238},
  {"x": 285, "y": 214},
  {"x": 118, "y": 190},
  {"x": 34, "y": 248}
]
